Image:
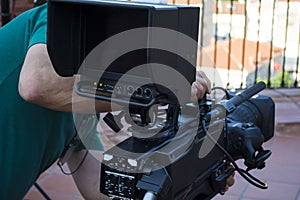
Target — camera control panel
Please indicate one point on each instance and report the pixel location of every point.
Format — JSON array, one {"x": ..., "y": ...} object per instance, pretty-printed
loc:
[{"x": 125, "y": 89}]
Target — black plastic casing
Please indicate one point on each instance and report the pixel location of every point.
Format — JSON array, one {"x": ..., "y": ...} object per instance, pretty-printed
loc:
[{"x": 75, "y": 27}]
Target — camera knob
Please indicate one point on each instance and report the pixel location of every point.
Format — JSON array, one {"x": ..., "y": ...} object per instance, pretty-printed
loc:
[{"x": 247, "y": 125}]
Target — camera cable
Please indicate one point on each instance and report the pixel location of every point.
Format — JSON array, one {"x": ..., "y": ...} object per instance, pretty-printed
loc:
[
  {"x": 73, "y": 145},
  {"x": 245, "y": 174}
]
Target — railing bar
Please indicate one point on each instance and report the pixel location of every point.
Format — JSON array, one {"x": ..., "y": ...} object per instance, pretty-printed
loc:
[
  {"x": 244, "y": 44},
  {"x": 285, "y": 41},
  {"x": 297, "y": 62},
  {"x": 5, "y": 12},
  {"x": 229, "y": 44},
  {"x": 216, "y": 43},
  {"x": 13, "y": 9},
  {"x": 271, "y": 45},
  {"x": 202, "y": 33},
  {"x": 257, "y": 43}
]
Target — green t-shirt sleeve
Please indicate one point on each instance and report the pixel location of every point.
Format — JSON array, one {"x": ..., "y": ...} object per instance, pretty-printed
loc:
[
  {"x": 17, "y": 36},
  {"x": 38, "y": 26}
]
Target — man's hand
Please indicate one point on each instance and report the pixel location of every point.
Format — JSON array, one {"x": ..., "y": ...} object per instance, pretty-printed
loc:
[
  {"x": 201, "y": 86},
  {"x": 230, "y": 179}
]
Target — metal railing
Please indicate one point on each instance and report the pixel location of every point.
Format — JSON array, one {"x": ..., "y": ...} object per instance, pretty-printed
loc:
[
  {"x": 246, "y": 41},
  {"x": 249, "y": 41},
  {"x": 5, "y": 12}
]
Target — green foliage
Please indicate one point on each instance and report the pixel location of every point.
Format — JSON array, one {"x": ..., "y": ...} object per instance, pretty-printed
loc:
[{"x": 276, "y": 81}]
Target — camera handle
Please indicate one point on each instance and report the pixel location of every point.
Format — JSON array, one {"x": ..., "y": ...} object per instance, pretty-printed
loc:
[
  {"x": 230, "y": 105},
  {"x": 244, "y": 173},
  {"x": 248, "y": 139}
]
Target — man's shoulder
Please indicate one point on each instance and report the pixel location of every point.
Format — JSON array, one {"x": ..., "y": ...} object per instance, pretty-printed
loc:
[{"x": 38, "y": 13}]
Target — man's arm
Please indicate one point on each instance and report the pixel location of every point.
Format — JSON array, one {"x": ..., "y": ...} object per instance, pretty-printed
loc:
[
  {"x": 41, "y": 85},
  {"x": 87, "y": 178}
]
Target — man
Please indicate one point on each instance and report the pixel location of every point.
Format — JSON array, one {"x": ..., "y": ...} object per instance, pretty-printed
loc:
[
  {"x": 31, "y": 136},
  {"x": 33, "y": 130},
  {"x": 35, "y": 106}
]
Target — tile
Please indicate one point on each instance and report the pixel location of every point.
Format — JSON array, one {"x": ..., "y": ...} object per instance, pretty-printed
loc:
[
  {"x": 285, "y": 151},
  {"x": 288, "y": 128},
  {"x": 281, "y": 105},
  {"x": 33, "y": 194},
  {"x": 280, "y": 173},
  {"x": 289, "y": 92},
  {"x": 286, "y": 107},
  {"x": 276, "y": 191},
  {"x": 44, "y": 175},
  {"x": 243, "y": 198},
  {"x": 238, "y": 187},
  {"x": 225, "y": 197},
  {"x": 59, "y": 196},
  {"x": 287, "y": 112},
  {"x": 60, "y": 183},
  {"x": 53, "y": 169},
  {"x": 54, "y": 194},
  {"x": 79, "y": 197}
]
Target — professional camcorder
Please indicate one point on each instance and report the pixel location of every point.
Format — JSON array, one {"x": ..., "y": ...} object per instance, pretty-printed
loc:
[
  {"x": 191, "y": 164},
  {"x": 143, "y": 56}
]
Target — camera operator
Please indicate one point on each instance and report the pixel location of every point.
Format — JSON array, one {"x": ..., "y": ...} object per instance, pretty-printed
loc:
[{"x": 36, "y": 110}]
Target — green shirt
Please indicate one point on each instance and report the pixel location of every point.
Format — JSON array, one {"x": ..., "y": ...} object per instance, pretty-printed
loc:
[{"x": 31, "y": 137}]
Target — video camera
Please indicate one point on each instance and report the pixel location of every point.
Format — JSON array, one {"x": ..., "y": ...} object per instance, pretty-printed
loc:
[
  {"x": 169, "y": 165},
  {"x": 143, "y": 56}
]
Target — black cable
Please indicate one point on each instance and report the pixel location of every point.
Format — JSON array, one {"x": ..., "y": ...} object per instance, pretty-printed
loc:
[
  {"x": 87, "y": 124},
  {"x": 223, "y": 89},
  {"x": 76, "y": 169},
  {"x": 40, "y": 189},
  {"x": 245, "y": 174}
]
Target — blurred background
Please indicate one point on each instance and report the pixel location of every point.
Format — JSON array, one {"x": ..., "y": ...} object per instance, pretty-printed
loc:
[{"x": 243, "y": 41}]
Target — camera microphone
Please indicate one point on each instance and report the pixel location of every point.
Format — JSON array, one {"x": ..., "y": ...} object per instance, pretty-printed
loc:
[{"x": 228, "y": 106}]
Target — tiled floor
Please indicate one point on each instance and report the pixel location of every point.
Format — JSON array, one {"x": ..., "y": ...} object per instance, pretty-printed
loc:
[{"x": 282, "y": 172}]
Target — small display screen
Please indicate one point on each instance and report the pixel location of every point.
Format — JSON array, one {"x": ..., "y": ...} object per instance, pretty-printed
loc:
[{"x": 102, "y": 24}]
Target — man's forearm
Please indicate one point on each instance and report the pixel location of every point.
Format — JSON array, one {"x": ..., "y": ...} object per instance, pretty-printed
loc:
[
  {"x": 40, "y": 84},
  {"x": 87, "y": 176}
]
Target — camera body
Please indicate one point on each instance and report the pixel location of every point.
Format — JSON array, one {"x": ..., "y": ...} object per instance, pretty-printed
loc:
[{"x": 173, "y": 168}]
